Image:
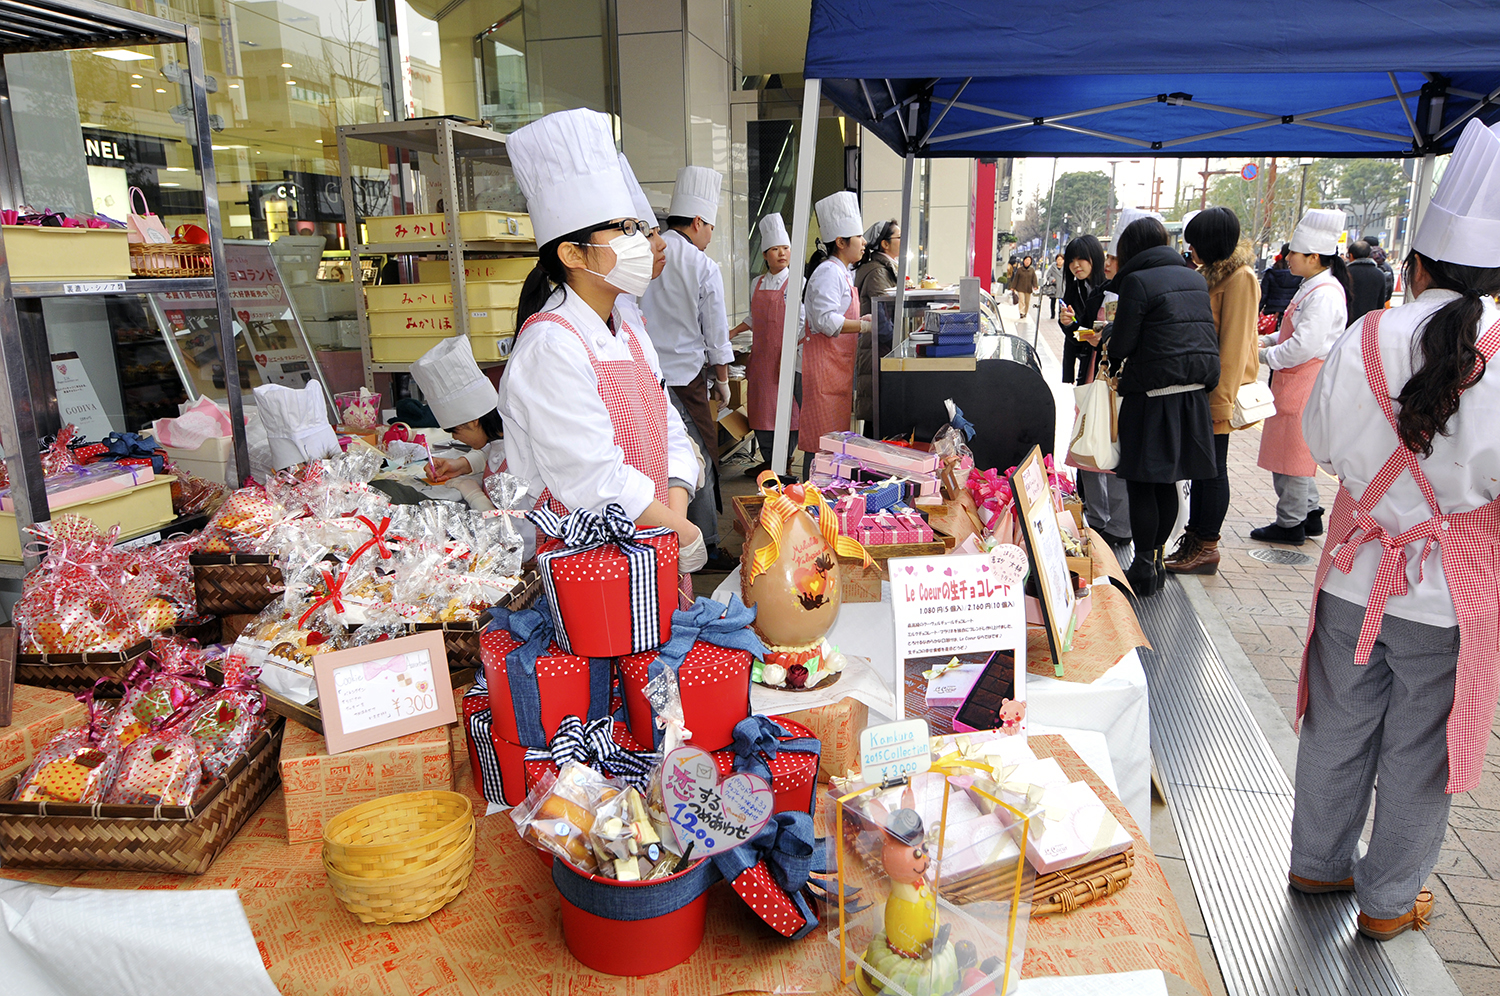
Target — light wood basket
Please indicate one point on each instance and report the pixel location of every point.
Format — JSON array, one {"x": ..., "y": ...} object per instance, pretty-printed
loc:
[
  {"x": 401, "y": 857},
  {"x": 170, "y": 259}
]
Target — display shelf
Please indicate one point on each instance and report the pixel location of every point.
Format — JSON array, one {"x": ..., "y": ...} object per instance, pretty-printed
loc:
[
  {"x": 425, "y": 135},
  {"x": 392, "y": 368},
  {"x": 444, "y": 246},
  {"x": 111, "y": 288}
]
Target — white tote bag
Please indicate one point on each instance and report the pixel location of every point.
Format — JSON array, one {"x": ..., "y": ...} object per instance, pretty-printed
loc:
[{"x": 1095, "y": 444}]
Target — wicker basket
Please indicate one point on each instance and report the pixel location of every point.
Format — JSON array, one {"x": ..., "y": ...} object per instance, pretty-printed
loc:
[
  {"x": 177, "y": 839},
  {"x": 234, "y": 583},
  {"x": 1064, "y": 891},
  {"x": 461, "y": 639},
  {"x": 77, "y": 672},
  {"x": 170, "y": 259},
  {"x": 402, "y": 857}
]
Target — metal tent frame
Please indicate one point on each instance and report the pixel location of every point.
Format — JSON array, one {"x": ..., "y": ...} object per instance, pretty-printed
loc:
[{"x": 28, "y": 398}]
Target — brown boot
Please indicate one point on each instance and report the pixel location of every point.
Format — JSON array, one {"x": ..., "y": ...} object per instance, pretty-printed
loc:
[
  {"x": 1204, "y": 559},
  {"x": 1187, "y": 547}
]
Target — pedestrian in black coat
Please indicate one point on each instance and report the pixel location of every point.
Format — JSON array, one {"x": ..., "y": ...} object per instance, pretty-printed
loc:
[
  {"x": 1366, "y": 282},
  {"x": 1277, "y": 286}
]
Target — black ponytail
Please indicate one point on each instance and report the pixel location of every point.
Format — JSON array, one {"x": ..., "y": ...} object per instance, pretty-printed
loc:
[
  {"x": 1451, "y": 361},
  {"x": 820, "y": 256},
  {"x": 881, "y": 237},
  {"x": 548, "y": 275},
  {"x": 1340, "y": 271}
]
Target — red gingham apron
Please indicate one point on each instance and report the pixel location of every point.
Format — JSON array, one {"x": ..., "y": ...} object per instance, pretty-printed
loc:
[
  {"x": 1282, "y": 448},
  {"x": 828, "y": 379},
  {"x": 637, "y": 409},
  {"x": 763, "y": 368},
  {"x": 1469, "y": 544}
]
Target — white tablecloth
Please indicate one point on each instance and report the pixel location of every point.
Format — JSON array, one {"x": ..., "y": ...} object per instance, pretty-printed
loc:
[{"x": 1114, "y": 705}]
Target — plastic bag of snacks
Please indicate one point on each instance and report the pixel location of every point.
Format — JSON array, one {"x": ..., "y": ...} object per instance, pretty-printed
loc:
[
  {"x": 161, "y": 767},
  {"x": 153, "y": 691},
  {"x": 72, "y": 766},
  {"x": 241, "y": 523},
  {"x": 225, "y": 724},
  {"x": 558, "y": 814}
]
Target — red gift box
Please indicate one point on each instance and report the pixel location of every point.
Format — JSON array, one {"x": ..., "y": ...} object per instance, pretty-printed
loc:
[
  {"x": 794, "y": 774},
  {"x": 603, "y": 925},
  {"x": 495, "y": 762},
  {"x": 564, "y": 683},
  {"x": 590, "y": 594},
  {"x": 715, "y": 686}
]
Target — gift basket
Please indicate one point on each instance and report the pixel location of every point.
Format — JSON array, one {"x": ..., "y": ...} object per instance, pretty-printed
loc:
[{"x": 401, "y": 857}]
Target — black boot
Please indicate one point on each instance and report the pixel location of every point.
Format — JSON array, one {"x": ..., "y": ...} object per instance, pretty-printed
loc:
[
  {"x": 1291, "y": 535},
  {"x": 1313, "y": 524},
  {"x": 1142, "y": 573},
  {"x": 1161, "y": 568}
]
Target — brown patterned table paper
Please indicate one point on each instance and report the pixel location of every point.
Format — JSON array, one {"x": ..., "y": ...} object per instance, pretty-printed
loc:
[{"x": 1109, "y": 633}]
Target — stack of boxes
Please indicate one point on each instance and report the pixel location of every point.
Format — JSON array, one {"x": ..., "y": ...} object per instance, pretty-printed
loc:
[{"x": 848, "y": 456}]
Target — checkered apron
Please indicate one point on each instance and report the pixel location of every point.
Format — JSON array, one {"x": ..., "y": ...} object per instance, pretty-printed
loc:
[
  {"x": 763, "y": 368},
  {"x": 828, "y": 380},
  {"x": 1282, "y": 448},
  {"x": 1469, "y": 544},
  {"x": 637, "y": 409}
]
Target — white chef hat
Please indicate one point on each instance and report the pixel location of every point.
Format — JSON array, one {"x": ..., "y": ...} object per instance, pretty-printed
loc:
[
  {"x": 455, "y": 388},
  {"x": 296, "y": 423},
  {"x": 1187, "y": 220},
  {"x": 838, "y": 217},
  {"x": 637, "y": 195},
  {"x": 773, "y": 232},
  {"x": 1462, "y": 222},
  {"x": 1318, "y": 232},
  {"x": 1127, "y": 216},
  {"x": 567, "y": 167},
  {"x": 696, "y": 194}
]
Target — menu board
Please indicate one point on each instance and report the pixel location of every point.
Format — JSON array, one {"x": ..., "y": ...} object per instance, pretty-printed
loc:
[
  {"x": 384, "y": 690},
  {"x": 1044, "y": 544}
]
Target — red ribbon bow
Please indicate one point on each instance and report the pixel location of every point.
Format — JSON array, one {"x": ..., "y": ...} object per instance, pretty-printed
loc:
[
  {"x": 377, "y": 539},
  {"x": 335, "y": 594}
]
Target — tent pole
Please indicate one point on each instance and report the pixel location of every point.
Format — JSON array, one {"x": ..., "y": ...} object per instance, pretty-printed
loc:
[
  {"x": 1051, "y": 220},
  {"x": 807, "y": 148},
  {"x": 1421, "y": 194},
  {"x": 898, "y": 317}
]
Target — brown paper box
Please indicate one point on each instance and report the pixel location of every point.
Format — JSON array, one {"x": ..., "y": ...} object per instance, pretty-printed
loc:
[
  {"x": 37, "y": 715},
  {"x": 861, "y": 583},
  {"x": 837, "y": 727},
  {"x": 319, "y": 787}
]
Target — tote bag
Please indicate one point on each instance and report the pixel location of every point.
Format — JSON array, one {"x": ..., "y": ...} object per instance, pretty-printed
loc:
[
  {"x": 1095, "y": 443},
  {"x": 144, "y": 227}
]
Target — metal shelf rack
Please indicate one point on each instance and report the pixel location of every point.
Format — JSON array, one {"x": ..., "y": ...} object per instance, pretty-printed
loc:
[
  {"x": 450, "y": 142},
  {"x": 28, "y": 398}
]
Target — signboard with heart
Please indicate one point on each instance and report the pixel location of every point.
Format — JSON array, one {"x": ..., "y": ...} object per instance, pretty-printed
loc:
[{"x": 711, "y": 814}]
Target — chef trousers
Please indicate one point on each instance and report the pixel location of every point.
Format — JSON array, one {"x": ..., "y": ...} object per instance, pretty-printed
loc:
[
  {"x": 1381, "y": 727},
  {"x": 1295, "y": 498}
]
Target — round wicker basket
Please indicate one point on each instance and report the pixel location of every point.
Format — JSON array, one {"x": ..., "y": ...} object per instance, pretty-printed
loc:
[{"x": 401, "y": 857}]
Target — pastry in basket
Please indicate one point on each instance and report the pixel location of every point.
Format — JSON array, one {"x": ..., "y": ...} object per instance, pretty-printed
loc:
[
  {"x": 225, "y": 724},
  {"x": 69, "y": 769},
  {"x": 162, "y": 767}
]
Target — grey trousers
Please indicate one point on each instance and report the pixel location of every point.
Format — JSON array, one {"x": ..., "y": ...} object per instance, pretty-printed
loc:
[
  {"x": 702, "y": 511},
  {"x": 1380, "y": 727},
  {"x": 1107, "y": 502},
  {"x": 1295, "y": 497}
]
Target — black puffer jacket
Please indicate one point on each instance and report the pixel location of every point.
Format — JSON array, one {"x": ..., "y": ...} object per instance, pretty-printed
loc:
[
  {"x": 1164, "y": 325},
  {"x": 1277, "y": 288}
]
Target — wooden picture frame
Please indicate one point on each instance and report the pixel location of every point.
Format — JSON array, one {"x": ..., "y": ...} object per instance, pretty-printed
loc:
[
  {"x": 1049, "y": 561},
  {"x": 364, "y": 692},
  {"x": 9, "y": 647}
]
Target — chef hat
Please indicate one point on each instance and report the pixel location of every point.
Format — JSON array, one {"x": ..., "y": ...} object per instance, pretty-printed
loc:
[
  {"x": 773, "y": 232},
  {"x": 838, "y": 217},
  {"x": 1187, "y": 219},
  {"x": 1462, "y": 222},
  {"x": 696, "y": 194},
  {"x": 637, "y": 195},
  {"x": 567, "y": 167},
  {"x": 456, "y": 389},
  {"x": 1127, "y": 216},
  {"x": 1318, "y": 232},
  {"x": 296, "y": 423}
]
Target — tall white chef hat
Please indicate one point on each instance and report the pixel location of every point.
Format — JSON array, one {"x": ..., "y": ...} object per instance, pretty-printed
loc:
[
  {"x": 838, "y": 217},
  {"x": 1128, "y": 215},
  {"x": 773, "y": 232},
  {"x": 1462, "y": 223},
  {"x": 456, "y": 389},
  {"x": 696, "y": 194},
  {"x": 1318, "y": 232},
  {"x": 296, "y": 423},
  {"x": 637, "y": 195},
  {"x": 1187, "y": 220},
  {"x": 567, "y": 167}
]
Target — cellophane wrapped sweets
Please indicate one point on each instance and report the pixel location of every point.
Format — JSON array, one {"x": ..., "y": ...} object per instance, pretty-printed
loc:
[
  {"x": 558, "y": 814},
  {"x": 162, "y": 767},
  {"x": 225, "y": 724},
  {"x": 73, "y": 766},
  {"x": 171, "y": 678}
]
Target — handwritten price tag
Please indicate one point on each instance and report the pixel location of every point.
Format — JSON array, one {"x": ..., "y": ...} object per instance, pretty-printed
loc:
[{"x": 712, "y": 815}]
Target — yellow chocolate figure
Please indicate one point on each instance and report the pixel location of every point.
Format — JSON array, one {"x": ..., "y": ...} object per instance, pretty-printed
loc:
[{"x": 912, "y": 953}]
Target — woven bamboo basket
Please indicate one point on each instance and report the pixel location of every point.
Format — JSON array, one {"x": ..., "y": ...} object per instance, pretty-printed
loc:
[
  {"x": 170, "y": 259},
  {"x": 234, "y": 583},
  {"x": 461, "y": 639},
  {"x": 402, "y": 857},
  {"x": 181, "y": 840},
  {"x": 77, "y": 672}
]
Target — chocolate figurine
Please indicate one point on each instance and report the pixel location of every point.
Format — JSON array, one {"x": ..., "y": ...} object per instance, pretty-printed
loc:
[{"x": 912, "y": 950}]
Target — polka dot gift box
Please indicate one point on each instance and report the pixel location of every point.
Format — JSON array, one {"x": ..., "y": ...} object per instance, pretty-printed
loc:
[
  {"x": 533, "y": 682},
  {"x": 784, "y": 753}
]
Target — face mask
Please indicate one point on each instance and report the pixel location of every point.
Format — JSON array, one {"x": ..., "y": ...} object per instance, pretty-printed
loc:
[{"x": 632, "y": 271}]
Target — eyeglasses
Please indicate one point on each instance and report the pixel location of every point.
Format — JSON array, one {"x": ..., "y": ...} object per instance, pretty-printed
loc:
[{"x": 630, "y": 226}]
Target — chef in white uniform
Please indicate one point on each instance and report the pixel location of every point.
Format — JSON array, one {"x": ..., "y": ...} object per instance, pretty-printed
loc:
[
  {"x": 587, "y": 421},
  {"x": 463, "y": 401},
  {"x": 629, "y": 305}
]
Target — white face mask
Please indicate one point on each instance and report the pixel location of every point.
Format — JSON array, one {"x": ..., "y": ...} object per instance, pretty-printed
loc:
[{"x": 633, "y": 263}]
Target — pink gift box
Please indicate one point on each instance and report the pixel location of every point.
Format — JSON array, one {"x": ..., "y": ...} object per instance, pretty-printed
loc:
[
  {"x": 898, "y": 459},
  {"x": 822, "y": 463},
  {"x": 73, "y": 487},
  {"x": 881, "y": 536},
  {"x": 833, "y": 442},
  {"x": 854, "y": 506}
]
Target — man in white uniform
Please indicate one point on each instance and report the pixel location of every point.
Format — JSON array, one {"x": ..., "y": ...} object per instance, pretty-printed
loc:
[{"x": 689, "y": 326}]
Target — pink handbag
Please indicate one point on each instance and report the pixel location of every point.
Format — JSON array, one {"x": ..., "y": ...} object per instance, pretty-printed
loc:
[{"x": 145, "y": 227}]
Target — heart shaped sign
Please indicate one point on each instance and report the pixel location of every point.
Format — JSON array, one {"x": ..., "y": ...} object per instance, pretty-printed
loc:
[
  {"x": 713, "y": 815},
  {"x": 260, "y": 358}
]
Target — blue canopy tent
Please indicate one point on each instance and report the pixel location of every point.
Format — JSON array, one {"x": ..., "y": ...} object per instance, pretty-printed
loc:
[{"x": 977, "y": 78}]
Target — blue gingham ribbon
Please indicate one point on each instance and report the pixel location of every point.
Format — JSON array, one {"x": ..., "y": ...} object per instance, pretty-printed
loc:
[
  {"x": 757, "y": 740},
  {"x": 712, "y": 622},
  {"x": 791, "y": 854},
  {"x": 584, "y": 529},
  {"x": 593, "y": 744},
  {"x": 533, "y": 628}
]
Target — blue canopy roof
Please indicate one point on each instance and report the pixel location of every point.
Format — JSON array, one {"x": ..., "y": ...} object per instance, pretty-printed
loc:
[{"x": 1216, "y": 78}]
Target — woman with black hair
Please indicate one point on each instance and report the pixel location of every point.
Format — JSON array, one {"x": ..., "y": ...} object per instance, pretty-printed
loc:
[
  {"x": 1163, "y": 345},
  {"x": 1318, "y": 312},
  {"x": 1226, "y": 262},
  {"x": 1277, "y": 285},
  {"x": 874, "y": 274},
  {"x": 835, "y": 323},
  {"x": 1399, "y": 678},
  {"x": 588, "y": 423}
]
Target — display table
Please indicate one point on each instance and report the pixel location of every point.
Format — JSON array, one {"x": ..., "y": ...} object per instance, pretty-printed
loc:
[{"x": 503, "y": 935}]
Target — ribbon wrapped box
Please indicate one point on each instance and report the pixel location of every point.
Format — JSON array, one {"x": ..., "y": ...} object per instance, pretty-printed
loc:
[
  {"x": 37, "y": 715},
  {"x": 530, "y": 695},
  {"x": 612, "y": 587},
  {"x": 1073, "y": 827},
  {"x": 783, "y": 752},
  {"x": 603, "y": 744},
  {"x": 634, "y": 928}
]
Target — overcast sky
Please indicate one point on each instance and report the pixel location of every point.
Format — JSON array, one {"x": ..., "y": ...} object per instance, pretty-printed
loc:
[{"x": 1132, "y": 178}]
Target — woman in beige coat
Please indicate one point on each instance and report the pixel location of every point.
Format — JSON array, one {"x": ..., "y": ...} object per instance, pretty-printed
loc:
[{"x": 1226, "y": 262}]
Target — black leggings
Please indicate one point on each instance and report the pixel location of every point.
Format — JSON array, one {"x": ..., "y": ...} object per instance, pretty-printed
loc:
[
  {"x": 1209, "y": 502},
  {"x": 1153, "y": 512}
]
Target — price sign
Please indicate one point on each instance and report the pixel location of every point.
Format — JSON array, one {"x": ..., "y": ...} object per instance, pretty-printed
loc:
[
  {"x": 711, "y": 814},
  {"x": 384, "y": 690},
  {"x": 894, "y": 750}
]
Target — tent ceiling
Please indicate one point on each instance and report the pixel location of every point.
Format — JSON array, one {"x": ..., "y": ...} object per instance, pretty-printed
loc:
[{"x": 1132, "y": 76}]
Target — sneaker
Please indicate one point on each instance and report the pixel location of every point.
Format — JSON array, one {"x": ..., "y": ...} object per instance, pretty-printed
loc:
[
  {"x": 1384, "y": 930},
  {"x": 1290, "y": 535},
  {"x": 1313, "y": 524}
]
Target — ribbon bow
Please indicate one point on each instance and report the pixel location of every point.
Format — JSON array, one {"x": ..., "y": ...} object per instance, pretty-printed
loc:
[
  {"x": 1390, "y": 573},
  {"x": 779, "y": 508},
  {"x": 961, "y": 424},
  {"x": 585, "y": 527},
  {"x": 757, "y": 735},
  {"x": 533, "y": 628},
  {"x": 934, "y": 673},
  {"x": 790, "y": 854},
  {"x": 593, "y": 744},
  {"x": 377, "y": 538},
  {"x": 334, "y": 594}
]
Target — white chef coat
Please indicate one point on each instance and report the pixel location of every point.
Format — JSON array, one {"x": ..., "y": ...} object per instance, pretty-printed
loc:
[
  {"x": 775, "y": 282},
  {"x": 487, "y": 460},
  {"x": 1349, "y": 436},
  {"x": 557, "y": 429},
  {"x": 1319, "y": 320},
  {"x": 827, "y": 299},
  {"x": 685, "y": 314}
]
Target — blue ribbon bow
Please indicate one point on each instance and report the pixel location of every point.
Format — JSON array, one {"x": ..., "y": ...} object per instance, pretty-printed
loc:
[
  {"x": 962, "y": 424},
  {"x": 791, "y": 853},
  {"x": 593, "y": 744},
  {"x": 131, "y": 444},
  {"x": 761, "y": 735},
  {"x": 533, "y": 627},
  {"x": 712, "y": 622}
]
